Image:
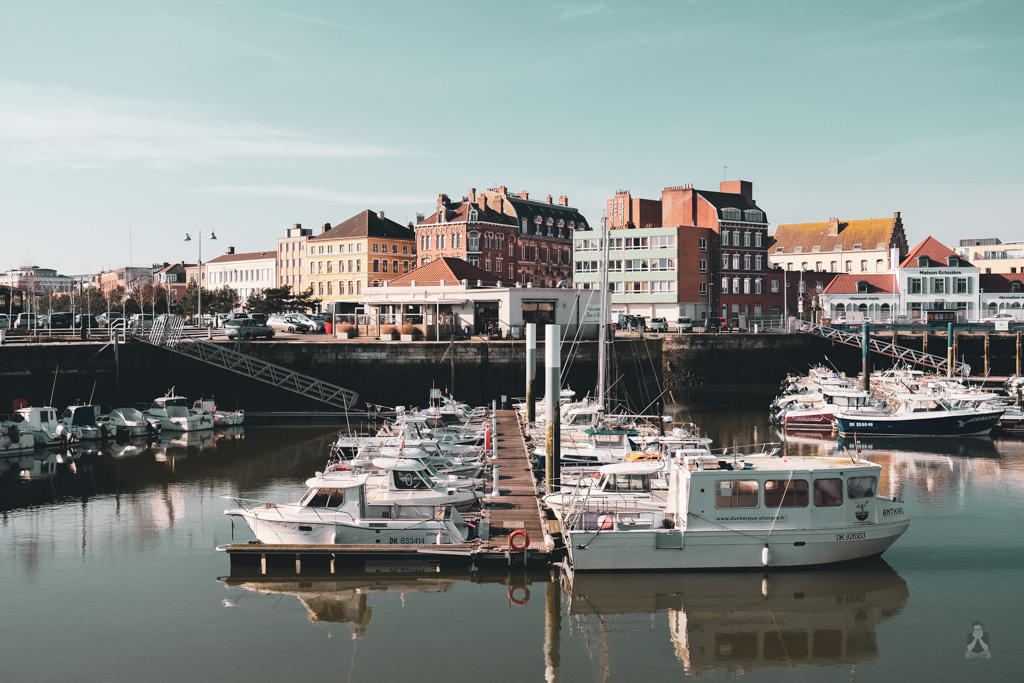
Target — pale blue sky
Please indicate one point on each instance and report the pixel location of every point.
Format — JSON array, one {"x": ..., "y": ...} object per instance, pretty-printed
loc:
[{"x": 246, "y": 116}]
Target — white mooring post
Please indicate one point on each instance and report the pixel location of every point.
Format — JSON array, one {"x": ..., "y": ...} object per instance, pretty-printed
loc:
[
  {"x": 531, "y": 371},
  {"x": 553, "y": 461},
  {"x": 494, "y": 428}
]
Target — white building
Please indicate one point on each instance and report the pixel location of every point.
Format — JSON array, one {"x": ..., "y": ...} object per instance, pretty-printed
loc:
[
  {"x": 992, "y": 256},
  {"x": 247, "y": 274}
]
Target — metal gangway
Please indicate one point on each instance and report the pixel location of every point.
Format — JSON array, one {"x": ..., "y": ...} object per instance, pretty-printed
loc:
[
  {"x": 168, "y": 332},
  {"x": 886, "y": 348}
]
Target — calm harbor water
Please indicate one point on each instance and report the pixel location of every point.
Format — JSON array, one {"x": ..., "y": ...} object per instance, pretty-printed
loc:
[{"x": 108, "y": 572}]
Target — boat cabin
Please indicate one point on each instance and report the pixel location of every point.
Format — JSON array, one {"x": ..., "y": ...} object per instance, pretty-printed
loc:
[
  {"x": 628, "y": 477},
  {"x": 80, "y": 416},
  {"x": 172, "y": 406}
]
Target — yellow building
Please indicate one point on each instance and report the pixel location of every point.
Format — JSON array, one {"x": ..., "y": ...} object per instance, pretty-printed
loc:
[{"x": 365, "y": 251}]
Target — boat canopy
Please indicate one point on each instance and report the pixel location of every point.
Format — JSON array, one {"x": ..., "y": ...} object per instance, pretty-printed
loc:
[{"x": 632, "y": 467}]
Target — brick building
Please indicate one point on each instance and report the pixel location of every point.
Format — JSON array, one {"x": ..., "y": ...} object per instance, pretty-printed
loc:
[{"x": 518, "y": 239}]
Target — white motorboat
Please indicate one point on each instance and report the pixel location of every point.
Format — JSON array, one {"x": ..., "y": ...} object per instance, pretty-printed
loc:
[
  {"x": 127, "y": 422},
  {"x": 406, "y": 486},
  {"x": 336, "y": 510},
  {"x": 174, "y": 415},
  {"x": 78, "y": 423},
  {"x": 16, "y": 436},
  {"x": 43, "y": 422},
  {"x": 759, "y": 511},
  {"x": 621, "y": 485},
  {"x": 221, "y": 418}
]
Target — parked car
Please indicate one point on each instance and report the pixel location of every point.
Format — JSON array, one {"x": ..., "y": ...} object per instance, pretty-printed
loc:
[
  {"x": 259, "y": 317},
  {"x": 1000, "y": 317},
  {"x": 141, "y": 321},
  {"x": 684, "y": 325},
  {"x": 5, "y": 321},
  {"x": 716, "y": 325},
  {"x": 89, "y": 321},
  {"x": 110, "y": 318},
  {"x": 288, "y": 323},
  {"x": 658, "y": 325},
  {"x": 28, "y": 321},
  {"x": 56, "y": 321},
  {"x": 246, "y": 328},
  {"x": 317, "y": 324}
]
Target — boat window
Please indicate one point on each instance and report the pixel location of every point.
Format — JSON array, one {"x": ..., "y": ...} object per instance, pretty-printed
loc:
[
  {"x": 736, "y": 494},
  {"x": 828, "y": 492},
  {"x": 407, "y": 481},
  {"x": 325, "y": 498},
  {"x": 862, "y": 487},
  {"x": 627, "y": 482},
  {"x": 788, "y": 494},
  {"x": 66, "y": 414}
]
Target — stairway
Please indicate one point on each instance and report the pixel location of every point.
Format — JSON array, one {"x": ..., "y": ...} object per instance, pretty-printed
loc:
[{"x": 168, "y": 333}]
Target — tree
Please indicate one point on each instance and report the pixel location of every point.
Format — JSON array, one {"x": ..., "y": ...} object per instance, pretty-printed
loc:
[
  {"x": 223, "y": 300},
  {"x": 116, "y": 298},
  {"x": 280, "y": 299}
]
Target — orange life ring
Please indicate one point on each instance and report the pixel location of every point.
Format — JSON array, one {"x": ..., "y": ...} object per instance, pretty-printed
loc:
[
  {"x": 523, "y": 539},
  {"x": 605, "y": 521},
  {"x": 517, "y": 601}
]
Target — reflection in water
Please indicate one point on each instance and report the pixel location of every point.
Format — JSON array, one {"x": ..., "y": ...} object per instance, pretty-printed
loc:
[{"x": 746, "y": 620}]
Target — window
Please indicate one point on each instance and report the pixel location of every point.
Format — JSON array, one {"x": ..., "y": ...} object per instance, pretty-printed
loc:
[
  {"x": 329, "y": 264},
  {"x": 746, "y": 285},
  {"x": 375, "y": 247},
  {"x": 736, "y": 238},
  {"x": 735, "y": 261},
  {"x": 775, "y": 287},
  {"x": 735, "y": 285},
  {"x": 961, "y": 285},
  {"x": 376, "y": 265},
  {"x": 703, "y": 244},
  {"x": 914, "y": 285},
  {"x": 828, "y": 492},
  {"x": 786, "y": 494},
  {"x": 861, "y": 487},
  {"x": 757, "y": 286},
  {"x": 499, "y": 241},
  {"x": 746, "y": 239},
  {"x": 746, "y": 262},
  {"x": 758, "y": 262},
  {"x": 731, "y": 214},
  {"x": 757, "y": 239},
  {"x": 752, "y": 216},
  {"x": 864, "y": 266},
  {"x": 849, "y": 266},
  {"x": 741, "y": 493},
  {"x": 329, "y": 289},
  {"x": 488, "y": 239},
  {"x": 394, "y": 266},
  {"x": 725, "y": 237},
  {"x": 725, "y": 285},
  {"x": 938, "y": 286},
  {"x": 359, "y": 265},
  {"x": 725, "y": 260},
  {"x": 384, "y": 266},
  {"x": 441, "y": 242},
  {"x": 405, "y": 266},
  {"x": 703, "y": 289},
  {"x": 703, "y": 265}
]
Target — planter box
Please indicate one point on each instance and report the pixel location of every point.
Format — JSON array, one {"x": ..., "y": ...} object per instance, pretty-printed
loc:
[
  {"x": 346, "y": 335},
  {"x": 408, "y": 337},
  {"x": 389, "y": 337}
]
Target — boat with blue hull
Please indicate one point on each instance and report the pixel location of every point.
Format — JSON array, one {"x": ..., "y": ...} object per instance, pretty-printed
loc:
[{"x": 920, "y": 415}]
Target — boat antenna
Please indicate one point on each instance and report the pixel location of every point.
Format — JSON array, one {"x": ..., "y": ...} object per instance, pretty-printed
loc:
[
  {"x": 54, "y": 389},
  {"x": 93, "y": 392}
]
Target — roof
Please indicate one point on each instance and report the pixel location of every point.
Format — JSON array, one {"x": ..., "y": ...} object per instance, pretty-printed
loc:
[
  {"x": 936, "y": 251},
  {"x": 448, "y": 268},
  {"x": 458, "y": 212},
  {"x": 527, "y": 208},
  {"x": 251, "y": 256},
  {"x": 868, "y": 233},
  {"x": 846, "y": 283},
  {"x": 730, "y": 200},
  {"x": 367, "y": 224},
  {"x": 998, "y": 282}
]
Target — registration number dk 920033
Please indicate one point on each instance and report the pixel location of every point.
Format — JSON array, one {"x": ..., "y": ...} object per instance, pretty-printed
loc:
[{"x": 851, "y": 536}]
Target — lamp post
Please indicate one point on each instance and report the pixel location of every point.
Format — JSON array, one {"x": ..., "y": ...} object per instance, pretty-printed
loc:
[{"x": 199, "y": 305}]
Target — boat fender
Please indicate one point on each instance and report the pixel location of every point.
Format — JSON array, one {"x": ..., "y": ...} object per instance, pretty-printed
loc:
[
  {"x": 13, "y": 434},
  {"x": 520, "y": 601},
  {"x": 518, "y": 541},
  {"x": 605, "y": 522},
  {"x": 766, "y": 555}
]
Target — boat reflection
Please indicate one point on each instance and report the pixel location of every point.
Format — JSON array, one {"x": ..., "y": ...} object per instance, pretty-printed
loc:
[
  {"x": 343, "y": 597},
  {"x": 747, "y": 620}
]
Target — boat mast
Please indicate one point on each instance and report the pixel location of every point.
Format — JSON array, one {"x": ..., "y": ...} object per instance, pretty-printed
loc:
[{"x": 602, "y": 340}]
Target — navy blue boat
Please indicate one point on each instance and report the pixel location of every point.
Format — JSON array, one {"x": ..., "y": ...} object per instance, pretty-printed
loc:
[{"x": 920, "y": 415}]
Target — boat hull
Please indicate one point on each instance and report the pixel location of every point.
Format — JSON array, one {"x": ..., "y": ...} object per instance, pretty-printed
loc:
[
  {"x": 348, "y": 532},
  {"x": 824, "y": 421},
  {"x": 668, "y": 549},
  {"x": 943, "y": 424}
]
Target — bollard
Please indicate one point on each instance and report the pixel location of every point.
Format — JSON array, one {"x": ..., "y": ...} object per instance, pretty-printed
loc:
[
  {"x": 209, "y": 333},
  {"x": 494, "y": 428},
  {"x": 494, "y": 486}
]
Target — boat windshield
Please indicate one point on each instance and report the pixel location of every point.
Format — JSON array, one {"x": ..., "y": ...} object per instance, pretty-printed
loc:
[
  {"x": 408, "y": 481},
  {"x": 635, "y": 483},
  {"x": 323, "y": 498}
]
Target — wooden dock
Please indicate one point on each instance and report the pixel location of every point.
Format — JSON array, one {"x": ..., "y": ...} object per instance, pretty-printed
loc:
[{"x": 516, "y": 507}]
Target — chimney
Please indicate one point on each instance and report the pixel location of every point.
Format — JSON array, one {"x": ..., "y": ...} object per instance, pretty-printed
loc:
[
  {"x": 483, "y": 202},
  {"x": 420, "y": 217},
  {"x": 503, "y": 190},
  {"x": 472, "y": 194},
  {"x": 231, "y": 250},
  {"x": 297, "y": 226},
  {"x": 833, "y": 227},
  {"x": 549, "y": 199},
  {"x": 741, "y": 187},
  {"x": 327, "y": 226},
  {"x": 896, "y": 215},
  {"x": 380, "y": 215},
  {"x": 442, "y": 201},
  {"x": 524, "y": 195},
  {"x": 563, "y": 200}
]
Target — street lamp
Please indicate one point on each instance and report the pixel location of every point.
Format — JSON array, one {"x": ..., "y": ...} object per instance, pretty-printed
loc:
[{"x": 213, "y": 236}]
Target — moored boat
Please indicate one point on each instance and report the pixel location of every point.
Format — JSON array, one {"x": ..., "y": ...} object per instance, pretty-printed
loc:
[{"x": 920, "y": 415}]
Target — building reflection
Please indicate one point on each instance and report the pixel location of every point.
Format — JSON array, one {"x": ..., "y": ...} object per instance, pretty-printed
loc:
[{"x": 742, "y": 621}]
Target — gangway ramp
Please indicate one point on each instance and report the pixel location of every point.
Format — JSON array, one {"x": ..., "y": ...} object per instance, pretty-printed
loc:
[
  {"x": 886, "y": 348},
  {"x": 168, "y": 333}
]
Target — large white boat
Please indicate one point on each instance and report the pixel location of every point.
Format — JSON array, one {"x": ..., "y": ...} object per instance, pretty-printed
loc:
[
  {"x": 920, "y": 415},
  {"x": 221, "y": 418},
  {"x": 174, "y": 415},
  {"x": 336, "y": 510},
  {"x": 42, "y": 421},
  {"x": 759, "y": 511},
  {"x": 128, "y": 422}
]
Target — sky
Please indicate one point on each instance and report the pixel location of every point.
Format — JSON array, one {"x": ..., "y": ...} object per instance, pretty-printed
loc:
[{"x": 125, "y": 124}]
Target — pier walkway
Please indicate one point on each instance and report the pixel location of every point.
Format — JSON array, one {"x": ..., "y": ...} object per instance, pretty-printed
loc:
[{"x": 516, "y": 507}]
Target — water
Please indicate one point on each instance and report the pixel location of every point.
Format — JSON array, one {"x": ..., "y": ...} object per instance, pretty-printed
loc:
[{"x": 108, "y": 572}]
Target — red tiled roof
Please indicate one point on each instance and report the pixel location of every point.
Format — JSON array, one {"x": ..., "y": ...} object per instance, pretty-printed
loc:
[
  {"x": 367, "y": 224},
  {"x": 999, "y": 282},
  {"x": 448, "y": 268},
  {"x": 458, "y": 212},
  {"x": 846, "y": 283},
  {"x": 251, "y": 256},
  {"x": 935, "y": 250}
]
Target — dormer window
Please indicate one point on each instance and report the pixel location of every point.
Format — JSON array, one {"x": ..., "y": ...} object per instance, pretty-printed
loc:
[
  {"x": 923, "y": 261},
  {"x": 953, "y": 261},
  {"x": 798, "y": 249},
  {"x": 778, "y": 250},
  {"x": 1015, "y": 286},
  {"x": 862, "y": 287},
  {"x": 816, "y": 247},
  {"x": 753, "y": 216},
  {"x": 858, "y": 246},
  {"x": 730, "y": 214},
  {"x": 473, "y": 215}
]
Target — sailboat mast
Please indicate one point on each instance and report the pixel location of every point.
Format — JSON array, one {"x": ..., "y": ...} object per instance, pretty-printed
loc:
[{"x": 602, "y": 338}]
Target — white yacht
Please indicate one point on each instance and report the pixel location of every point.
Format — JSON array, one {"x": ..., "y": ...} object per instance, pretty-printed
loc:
[
  {"x": 221, "y": 418},
  {"x": 759, "y": 511},
  {"x": 78, "y": 423},
  {"x": 122, "y": 422},
  {"x": 174, "y": 415},
  {"x": 920, "y": 415},
  {"x": 43, "y": 422},
  {"x": 337, "y": 510}
]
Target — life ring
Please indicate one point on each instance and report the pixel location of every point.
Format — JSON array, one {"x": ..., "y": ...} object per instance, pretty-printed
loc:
[
  {"x": 605, "y": 522},
  {"x": 518, "y": 541},
  {"x": 518, "y": 601}
]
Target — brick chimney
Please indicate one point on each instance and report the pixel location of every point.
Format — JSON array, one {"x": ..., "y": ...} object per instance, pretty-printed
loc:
[
  {"x": 442, "y": 201},
  {"x": 327, "y": 226},
  {"x": 833, "y": 227},
  {"x": 231, "y": 250},
  {"x": 420, "y": 217},
  {"x": 741, "y": 187},
  {"x": 503, "y": 190},
  {"x": 563, "y": 200},
  {"x": 524, "y": 195},
  {"x": 549, "y": 199},
  {"x": 297, "y": 226},
  {"x": 380, "y": 215},
  {"x": 472, "y": 194}
]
